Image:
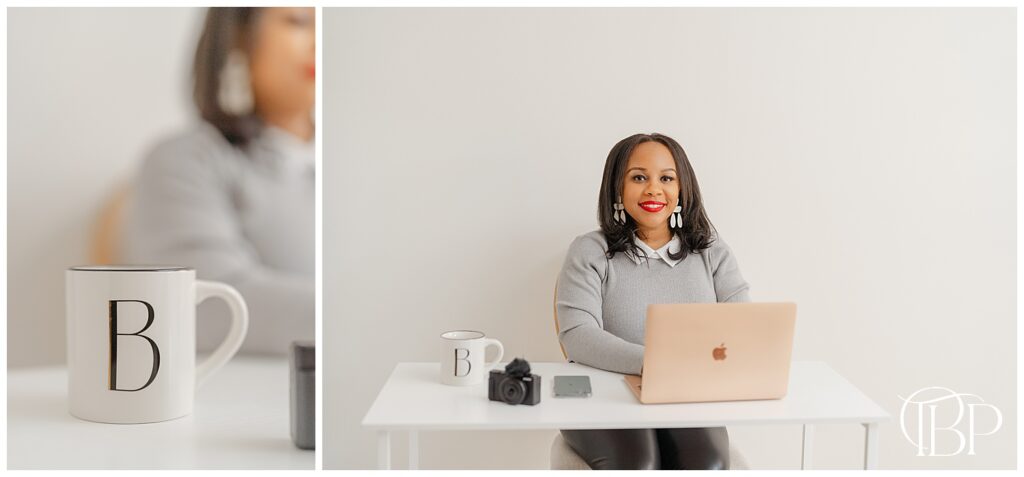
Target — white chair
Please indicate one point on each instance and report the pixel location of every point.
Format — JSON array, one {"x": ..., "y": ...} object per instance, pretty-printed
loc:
[{"x": 564, "y": 458}]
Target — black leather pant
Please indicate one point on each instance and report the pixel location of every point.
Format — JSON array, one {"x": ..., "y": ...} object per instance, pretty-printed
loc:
[{"x": 704, "y": 448}]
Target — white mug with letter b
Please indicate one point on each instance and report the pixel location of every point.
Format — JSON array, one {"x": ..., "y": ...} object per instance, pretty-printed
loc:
[
  {"x": 131, "y": 336},
  {"x": 462, "y": 357}
]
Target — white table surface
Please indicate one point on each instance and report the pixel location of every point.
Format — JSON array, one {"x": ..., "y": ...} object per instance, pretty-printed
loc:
[
  {"x": 240, "y": 421},
  {"x": 413, "y": 399}
]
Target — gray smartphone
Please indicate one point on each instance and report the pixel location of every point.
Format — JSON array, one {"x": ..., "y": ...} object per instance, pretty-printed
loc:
[{"x": 572, "y": 386}]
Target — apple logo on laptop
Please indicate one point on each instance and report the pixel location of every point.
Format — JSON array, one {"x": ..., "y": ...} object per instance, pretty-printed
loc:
[{"x": 719, "y": 353}]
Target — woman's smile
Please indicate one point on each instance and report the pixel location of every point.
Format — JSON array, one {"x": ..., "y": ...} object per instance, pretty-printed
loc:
[{"x": 652, "y": 206}]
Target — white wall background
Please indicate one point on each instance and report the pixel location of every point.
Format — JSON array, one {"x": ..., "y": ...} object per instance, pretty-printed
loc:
[
  {"x": 859, "y": 162},
  {"x": 88, "y": 91}
]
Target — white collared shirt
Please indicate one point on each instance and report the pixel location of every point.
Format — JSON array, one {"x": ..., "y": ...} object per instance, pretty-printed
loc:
[{"x": 661, "y": 253}]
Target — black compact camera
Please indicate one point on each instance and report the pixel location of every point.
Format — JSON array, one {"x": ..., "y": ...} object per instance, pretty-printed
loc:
[{"x": 515, "y": 385}]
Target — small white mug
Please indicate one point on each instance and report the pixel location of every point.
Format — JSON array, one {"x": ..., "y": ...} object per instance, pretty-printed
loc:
[
  {"x": 462, "y": 357},
  {"x": 131, "y": 337}
]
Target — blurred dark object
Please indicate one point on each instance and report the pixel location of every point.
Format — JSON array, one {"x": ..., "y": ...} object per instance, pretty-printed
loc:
[{"x": 303, "y": 394}]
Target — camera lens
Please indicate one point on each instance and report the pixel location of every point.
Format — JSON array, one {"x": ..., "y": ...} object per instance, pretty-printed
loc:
[{"x": 513, "y": 391}]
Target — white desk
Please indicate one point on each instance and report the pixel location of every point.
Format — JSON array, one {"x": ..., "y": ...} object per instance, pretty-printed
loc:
[
  {"x": 240, "y": 421},
  {"x": 413, "y": 400}
]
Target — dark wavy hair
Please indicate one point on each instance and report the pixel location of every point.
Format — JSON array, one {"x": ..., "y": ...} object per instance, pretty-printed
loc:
[
  {"x": 224, "y": 30},
  {"x": 696, "y": 234}
]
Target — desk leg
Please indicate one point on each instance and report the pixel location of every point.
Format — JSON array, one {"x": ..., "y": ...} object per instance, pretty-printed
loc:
[
  {"x": 383, "y": 450},
  {"x": 808, "y": 447},
  {"x": 871, "y": 445},
  {"x": 414, "y": 450}
]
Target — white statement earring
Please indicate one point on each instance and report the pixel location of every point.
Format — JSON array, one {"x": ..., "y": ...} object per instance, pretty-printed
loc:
[
  {"x": 620, "y": 212},
  {"x": 676, "y": 219},
  {"x": 235, "y": 93}
]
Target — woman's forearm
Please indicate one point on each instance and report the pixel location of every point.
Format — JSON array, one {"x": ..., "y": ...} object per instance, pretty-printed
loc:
[{"x": 598, "y": 348}]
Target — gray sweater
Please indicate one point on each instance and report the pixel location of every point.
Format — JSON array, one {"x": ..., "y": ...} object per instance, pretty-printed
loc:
[
  {"x": 240, "y": 216},
  {"x": 602, "y": 303}
]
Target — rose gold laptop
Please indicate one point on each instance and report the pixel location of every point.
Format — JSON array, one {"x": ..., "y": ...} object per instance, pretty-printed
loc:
[{"x": 715, "y": 352}]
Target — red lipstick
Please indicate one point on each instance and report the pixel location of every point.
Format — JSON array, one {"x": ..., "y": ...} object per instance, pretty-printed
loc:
[{"x": 652, "y": 206}]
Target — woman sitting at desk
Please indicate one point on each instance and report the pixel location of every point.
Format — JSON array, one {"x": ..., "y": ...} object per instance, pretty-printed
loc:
[
  {"x": 233, "y": 197},
  {"x": 656, "y": 245}
]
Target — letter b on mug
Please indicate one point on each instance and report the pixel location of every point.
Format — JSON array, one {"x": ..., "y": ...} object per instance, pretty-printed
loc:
[
  {"x": 114, "y": 336},
  {"x": 462, "y": 357},
  {"x": 462, "y": 365}
]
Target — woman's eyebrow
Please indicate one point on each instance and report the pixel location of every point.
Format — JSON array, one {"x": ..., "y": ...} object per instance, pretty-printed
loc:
[{"x": 644, "y": 169}]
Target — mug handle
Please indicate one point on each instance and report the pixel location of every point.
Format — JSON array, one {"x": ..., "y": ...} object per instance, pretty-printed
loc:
[
  {"x": 236, "y": 334},
  {"x": 501, "y": 352}
]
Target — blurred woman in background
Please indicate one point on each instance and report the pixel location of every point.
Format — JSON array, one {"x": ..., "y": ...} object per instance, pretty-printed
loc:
[{"x": 233, "y": 197}]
